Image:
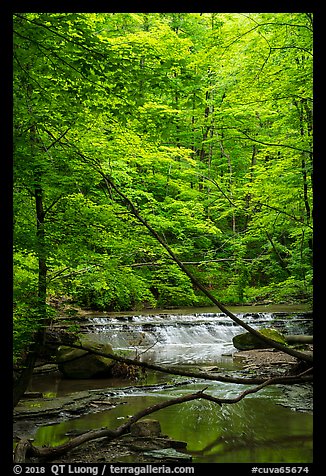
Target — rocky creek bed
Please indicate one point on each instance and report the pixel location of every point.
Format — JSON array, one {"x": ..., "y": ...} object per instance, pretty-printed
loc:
[{"x": 33, "y": 412}]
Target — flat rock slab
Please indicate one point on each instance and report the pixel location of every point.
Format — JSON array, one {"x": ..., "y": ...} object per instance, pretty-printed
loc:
[
  {"x": 167, "y": 454},
  {"x": 127, "y": 449},
  {"x": 75, "y": 403},
  {"x": 264, "y": 357}
]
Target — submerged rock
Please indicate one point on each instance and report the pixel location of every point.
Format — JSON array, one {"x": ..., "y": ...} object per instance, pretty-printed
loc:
[
  {"x": 80, "y": 364},
  {"x": 146, "y": 427}
]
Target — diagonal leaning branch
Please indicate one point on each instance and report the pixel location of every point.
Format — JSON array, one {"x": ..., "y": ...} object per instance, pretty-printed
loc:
[
  {"x": 300, "y": 355},
  {"x": 110, "y": 185},
  {"x": 189, "y": 373}
]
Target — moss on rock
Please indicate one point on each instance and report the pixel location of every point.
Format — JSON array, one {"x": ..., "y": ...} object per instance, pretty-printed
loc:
[
  {"x": 247, "y": 341},
  {"x": 79, "y": 363}
]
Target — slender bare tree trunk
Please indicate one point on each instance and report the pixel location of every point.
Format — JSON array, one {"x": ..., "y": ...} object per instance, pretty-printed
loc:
[{"x": 300, "y": 355}]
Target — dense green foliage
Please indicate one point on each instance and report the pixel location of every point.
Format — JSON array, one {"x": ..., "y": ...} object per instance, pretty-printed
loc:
[{"x": 203, "y": 120}]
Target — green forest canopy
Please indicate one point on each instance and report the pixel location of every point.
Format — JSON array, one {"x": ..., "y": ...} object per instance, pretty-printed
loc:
[{"x": 203, "y": 120}]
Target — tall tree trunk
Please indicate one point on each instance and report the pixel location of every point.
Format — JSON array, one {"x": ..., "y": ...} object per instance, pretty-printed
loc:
[
  {"x": 206, "y": 129},
  {"x": 177, "y": 122},
  {"x": 248, "y": 196},
  {"x": 193, "y": 144},
  {"x": 224, "y": 154},
  {"x": 22, "y": 381},
  {"x": 305, "y": 121},
  {"x": 278, "y": 256}
]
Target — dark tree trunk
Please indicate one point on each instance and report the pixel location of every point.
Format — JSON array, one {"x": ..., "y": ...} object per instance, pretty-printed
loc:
[{"x": 21, "y": 383}]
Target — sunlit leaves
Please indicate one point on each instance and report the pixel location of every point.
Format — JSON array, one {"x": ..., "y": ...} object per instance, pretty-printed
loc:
[{"x": 203, "y": 120}]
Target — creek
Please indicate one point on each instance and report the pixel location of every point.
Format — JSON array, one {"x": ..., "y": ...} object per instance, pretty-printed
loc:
[{"x": 272, "y": 426}]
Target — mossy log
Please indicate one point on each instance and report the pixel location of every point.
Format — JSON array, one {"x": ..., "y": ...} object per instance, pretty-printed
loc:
[{"x": 299, "y": 339}]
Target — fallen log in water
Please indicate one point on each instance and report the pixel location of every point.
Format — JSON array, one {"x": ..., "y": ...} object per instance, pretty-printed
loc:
[{"x": 298, "y": 339}]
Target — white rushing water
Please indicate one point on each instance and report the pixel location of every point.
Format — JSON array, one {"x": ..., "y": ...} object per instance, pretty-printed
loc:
[
  {"x": 171, "y": 339},
  {"x": 264, "y": 422}
]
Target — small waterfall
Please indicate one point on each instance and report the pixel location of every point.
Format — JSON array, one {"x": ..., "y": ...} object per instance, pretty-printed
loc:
[{"x": 174, "y": 339}]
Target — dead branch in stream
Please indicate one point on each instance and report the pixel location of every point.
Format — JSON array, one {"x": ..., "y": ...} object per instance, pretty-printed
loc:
[
  {"x": 25, "y": 448},
  {"x": 187, "y": 373}
]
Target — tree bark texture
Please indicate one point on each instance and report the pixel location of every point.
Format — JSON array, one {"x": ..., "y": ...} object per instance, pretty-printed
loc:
[{"x": 21, "y": 383}]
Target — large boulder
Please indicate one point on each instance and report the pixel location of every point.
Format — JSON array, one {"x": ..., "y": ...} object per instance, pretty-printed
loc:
[
  {"x": 247, "y": 341},
  {"x": 80, "y": 364}
]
